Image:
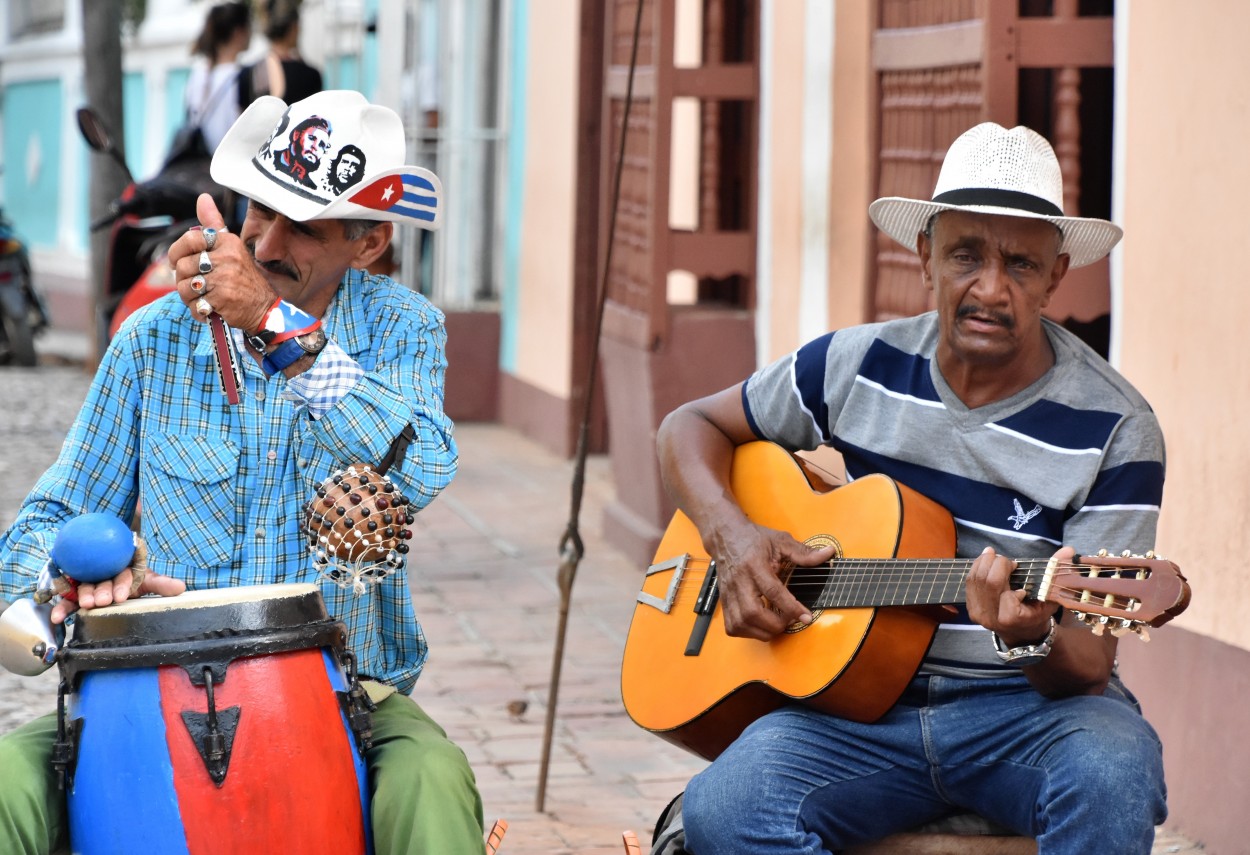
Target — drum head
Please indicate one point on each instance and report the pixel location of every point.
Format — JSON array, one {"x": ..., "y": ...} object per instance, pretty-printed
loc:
[
  {"x": 198, "y": 629},
  {"x": 251, "y": 608}
]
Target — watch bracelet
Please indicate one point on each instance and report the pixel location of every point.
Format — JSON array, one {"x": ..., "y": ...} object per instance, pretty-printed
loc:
[{"x": 1031, "y": 653}]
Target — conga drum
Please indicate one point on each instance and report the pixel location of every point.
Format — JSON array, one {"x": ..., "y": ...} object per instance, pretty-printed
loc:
[{"x": 217, "y": 721}]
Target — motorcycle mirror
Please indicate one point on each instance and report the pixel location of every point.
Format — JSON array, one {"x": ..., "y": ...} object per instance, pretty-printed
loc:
[
  {"x": 93, "y": 130},
  {"x": 96, "y": 133}
]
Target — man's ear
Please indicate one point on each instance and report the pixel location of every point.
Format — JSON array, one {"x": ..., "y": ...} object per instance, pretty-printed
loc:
[
  {"x": 1057, "y": 272},
  {"x": 372, "y": 245},
  {"x": 924, "y": 249}
]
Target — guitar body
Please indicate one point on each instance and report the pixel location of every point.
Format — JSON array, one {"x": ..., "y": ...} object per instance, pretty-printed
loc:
[{"x": 850, "y": 662}]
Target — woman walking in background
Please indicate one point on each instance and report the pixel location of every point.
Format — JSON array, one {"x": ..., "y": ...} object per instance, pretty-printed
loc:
[
  {"x": 283, "y": 72},
  {"x": 212, "y": 89}
]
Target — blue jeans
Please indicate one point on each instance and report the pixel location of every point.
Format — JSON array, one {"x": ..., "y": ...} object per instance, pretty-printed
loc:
[{"x": 1081, "y": 774}]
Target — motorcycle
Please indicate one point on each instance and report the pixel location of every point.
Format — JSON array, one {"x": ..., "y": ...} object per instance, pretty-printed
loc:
[
  {"x": 23, "y": 313},
  {"x": 144, "y": 221}
]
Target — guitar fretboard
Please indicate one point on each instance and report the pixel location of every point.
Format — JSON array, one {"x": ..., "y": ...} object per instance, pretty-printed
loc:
[{"x": 858, "y": 582}]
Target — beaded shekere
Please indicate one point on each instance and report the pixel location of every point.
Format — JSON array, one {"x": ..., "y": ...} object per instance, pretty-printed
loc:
[{"x": 357, "y": 524}]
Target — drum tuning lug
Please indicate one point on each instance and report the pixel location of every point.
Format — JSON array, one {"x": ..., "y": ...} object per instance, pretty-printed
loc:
[
  {"x": 357, "y": 705},
  {"x": 65, "y": 746},
  {"x": 213, "y": 732}
]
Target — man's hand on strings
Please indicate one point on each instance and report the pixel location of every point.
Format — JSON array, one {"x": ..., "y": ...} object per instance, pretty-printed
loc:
[
  {"x": 752, "y": 566},
  {"x": 997, "y": 606}
]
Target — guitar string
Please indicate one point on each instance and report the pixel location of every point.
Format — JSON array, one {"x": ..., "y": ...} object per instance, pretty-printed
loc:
[
  {"x": 1120, "y": 606},
  {"x": 1035, "y": 571},
  {"x": 936, "y": 567}
]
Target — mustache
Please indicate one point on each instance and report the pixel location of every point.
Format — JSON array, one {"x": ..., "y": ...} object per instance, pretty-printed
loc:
[
  {"x": 276, "y": 268},
  {"x": 1000, "y": 318}
]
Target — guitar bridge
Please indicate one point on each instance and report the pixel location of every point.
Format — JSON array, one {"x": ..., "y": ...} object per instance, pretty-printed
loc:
[
  {"x": 678, "y": 566},
  {"x": 704, "y": 608}
]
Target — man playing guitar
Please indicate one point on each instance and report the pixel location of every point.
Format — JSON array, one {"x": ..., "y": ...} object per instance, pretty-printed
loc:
[{"x": 1037, "y": 448}]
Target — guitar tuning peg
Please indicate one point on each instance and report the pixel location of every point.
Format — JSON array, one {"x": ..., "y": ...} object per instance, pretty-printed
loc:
[
  {"x": 1150, "y": 554},
  {"x": 1140, "y": 629},
  {"x": 1126, "y": 554},
  {"x": 1102, "y": 553},
  {"x": 1122, "y": 626},
  {"x": 1098, "y": 628}
]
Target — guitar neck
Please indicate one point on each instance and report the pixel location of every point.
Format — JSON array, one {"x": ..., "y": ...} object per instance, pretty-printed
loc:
[{"x": 873, "y": 582}]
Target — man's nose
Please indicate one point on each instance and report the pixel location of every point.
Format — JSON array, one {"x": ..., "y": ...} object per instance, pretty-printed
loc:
[
  {"x": 994, "y": 281},
  {"x": 270, "y": 245}
]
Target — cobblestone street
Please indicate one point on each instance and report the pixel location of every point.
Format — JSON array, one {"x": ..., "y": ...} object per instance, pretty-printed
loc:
[{"x": 43, "y": 403}]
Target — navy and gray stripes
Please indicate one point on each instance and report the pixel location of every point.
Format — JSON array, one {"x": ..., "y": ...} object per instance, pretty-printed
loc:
[{"x": 1076, "y": 459}]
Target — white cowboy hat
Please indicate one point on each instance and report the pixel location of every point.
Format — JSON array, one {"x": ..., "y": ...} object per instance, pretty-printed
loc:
[
  {"x": 331, "y": 156},
  {"x": 992, "y": 170}
]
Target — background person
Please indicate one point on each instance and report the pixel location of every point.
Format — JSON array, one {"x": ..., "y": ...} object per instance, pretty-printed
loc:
[
  {"x": 212, "y": 94},
  {"x": 283, "y": 73}
]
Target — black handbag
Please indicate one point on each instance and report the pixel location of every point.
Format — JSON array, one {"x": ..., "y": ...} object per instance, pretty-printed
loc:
[{"x": 188, "y": 143}]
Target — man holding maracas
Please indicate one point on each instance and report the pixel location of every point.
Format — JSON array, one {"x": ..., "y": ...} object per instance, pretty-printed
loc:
[{"x": 323, "y": 366}]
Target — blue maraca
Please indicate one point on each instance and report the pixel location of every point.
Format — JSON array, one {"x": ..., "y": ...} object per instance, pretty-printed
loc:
[{"x": 93, "y": 547}]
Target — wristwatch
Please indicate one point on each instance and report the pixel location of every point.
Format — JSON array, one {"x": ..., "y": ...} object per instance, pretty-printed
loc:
[
  {"x": 1026, "y": 654},
  {"x": 294, "y": 349}
]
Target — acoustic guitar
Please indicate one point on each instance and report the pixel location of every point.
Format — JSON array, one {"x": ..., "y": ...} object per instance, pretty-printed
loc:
[{"x": 876, "y": 605}]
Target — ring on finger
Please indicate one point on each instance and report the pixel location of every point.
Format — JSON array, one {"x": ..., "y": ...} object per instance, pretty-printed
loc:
[
  {"x": 203, "y": 307},
  {"x": 210, "y": 239},
  {"x": 197, "y": 283},
  {"x": 206, "y": 265}
]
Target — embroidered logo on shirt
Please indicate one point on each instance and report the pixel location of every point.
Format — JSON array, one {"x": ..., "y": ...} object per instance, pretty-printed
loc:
[{"x": 1021, "y": 518}]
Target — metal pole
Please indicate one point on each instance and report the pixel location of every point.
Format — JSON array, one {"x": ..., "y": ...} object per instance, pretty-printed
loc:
[{"x": 571, "y": 549}]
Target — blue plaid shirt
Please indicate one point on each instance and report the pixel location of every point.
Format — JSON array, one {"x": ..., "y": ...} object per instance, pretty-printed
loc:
[{"x": 222, "y": 487}]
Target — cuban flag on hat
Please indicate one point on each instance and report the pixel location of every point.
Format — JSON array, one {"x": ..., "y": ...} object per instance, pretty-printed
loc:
[{"x": 411, "y": 192}]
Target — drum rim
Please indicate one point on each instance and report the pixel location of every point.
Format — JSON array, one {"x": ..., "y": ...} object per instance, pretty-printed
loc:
[
  {"x": 204, "y": 598},
  {"x": 214, "y": 651}
]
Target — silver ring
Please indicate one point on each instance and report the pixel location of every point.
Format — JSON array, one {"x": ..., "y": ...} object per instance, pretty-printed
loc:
[
  {"x": 203, "y": 307},
  {"x": 197, "y": 283},
  {"x": 210, "y": 239},
  {"x": 206, "y": 265}
]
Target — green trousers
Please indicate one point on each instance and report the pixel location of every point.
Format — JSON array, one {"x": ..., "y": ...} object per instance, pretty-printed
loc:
[{"x": 424, "y": 797}]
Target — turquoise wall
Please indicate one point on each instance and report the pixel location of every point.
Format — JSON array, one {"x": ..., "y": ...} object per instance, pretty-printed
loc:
[
  {"x": 343, "y": 72},
  {"x": 134, "y": 113},
  {"x": 514, "y": 192},
  {"x": 31, "y": 151},
  {"x": 175, "y": 103}
]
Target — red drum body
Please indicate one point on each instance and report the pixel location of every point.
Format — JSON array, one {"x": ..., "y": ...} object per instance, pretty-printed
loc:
[{"x": 217, "y": 721}]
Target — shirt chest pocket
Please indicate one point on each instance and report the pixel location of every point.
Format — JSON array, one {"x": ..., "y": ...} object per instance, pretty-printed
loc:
[{"x": 189, "y": 498}]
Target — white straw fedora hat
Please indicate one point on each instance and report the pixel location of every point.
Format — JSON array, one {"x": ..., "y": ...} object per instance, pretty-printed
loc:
[
  {"x": 331, "y": 156},
  {"x": 992, "y": 170}
]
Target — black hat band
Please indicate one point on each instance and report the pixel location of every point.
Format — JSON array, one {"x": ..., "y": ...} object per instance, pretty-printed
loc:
[{"x": 996, "y": 198}]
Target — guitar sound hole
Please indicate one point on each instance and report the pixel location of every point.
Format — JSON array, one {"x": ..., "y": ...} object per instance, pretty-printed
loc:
[{"x": 807, "y": 584}]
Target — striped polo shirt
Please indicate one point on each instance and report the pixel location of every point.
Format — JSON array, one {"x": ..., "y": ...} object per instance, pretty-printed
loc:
[{"x": 1075, "y": 459}]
